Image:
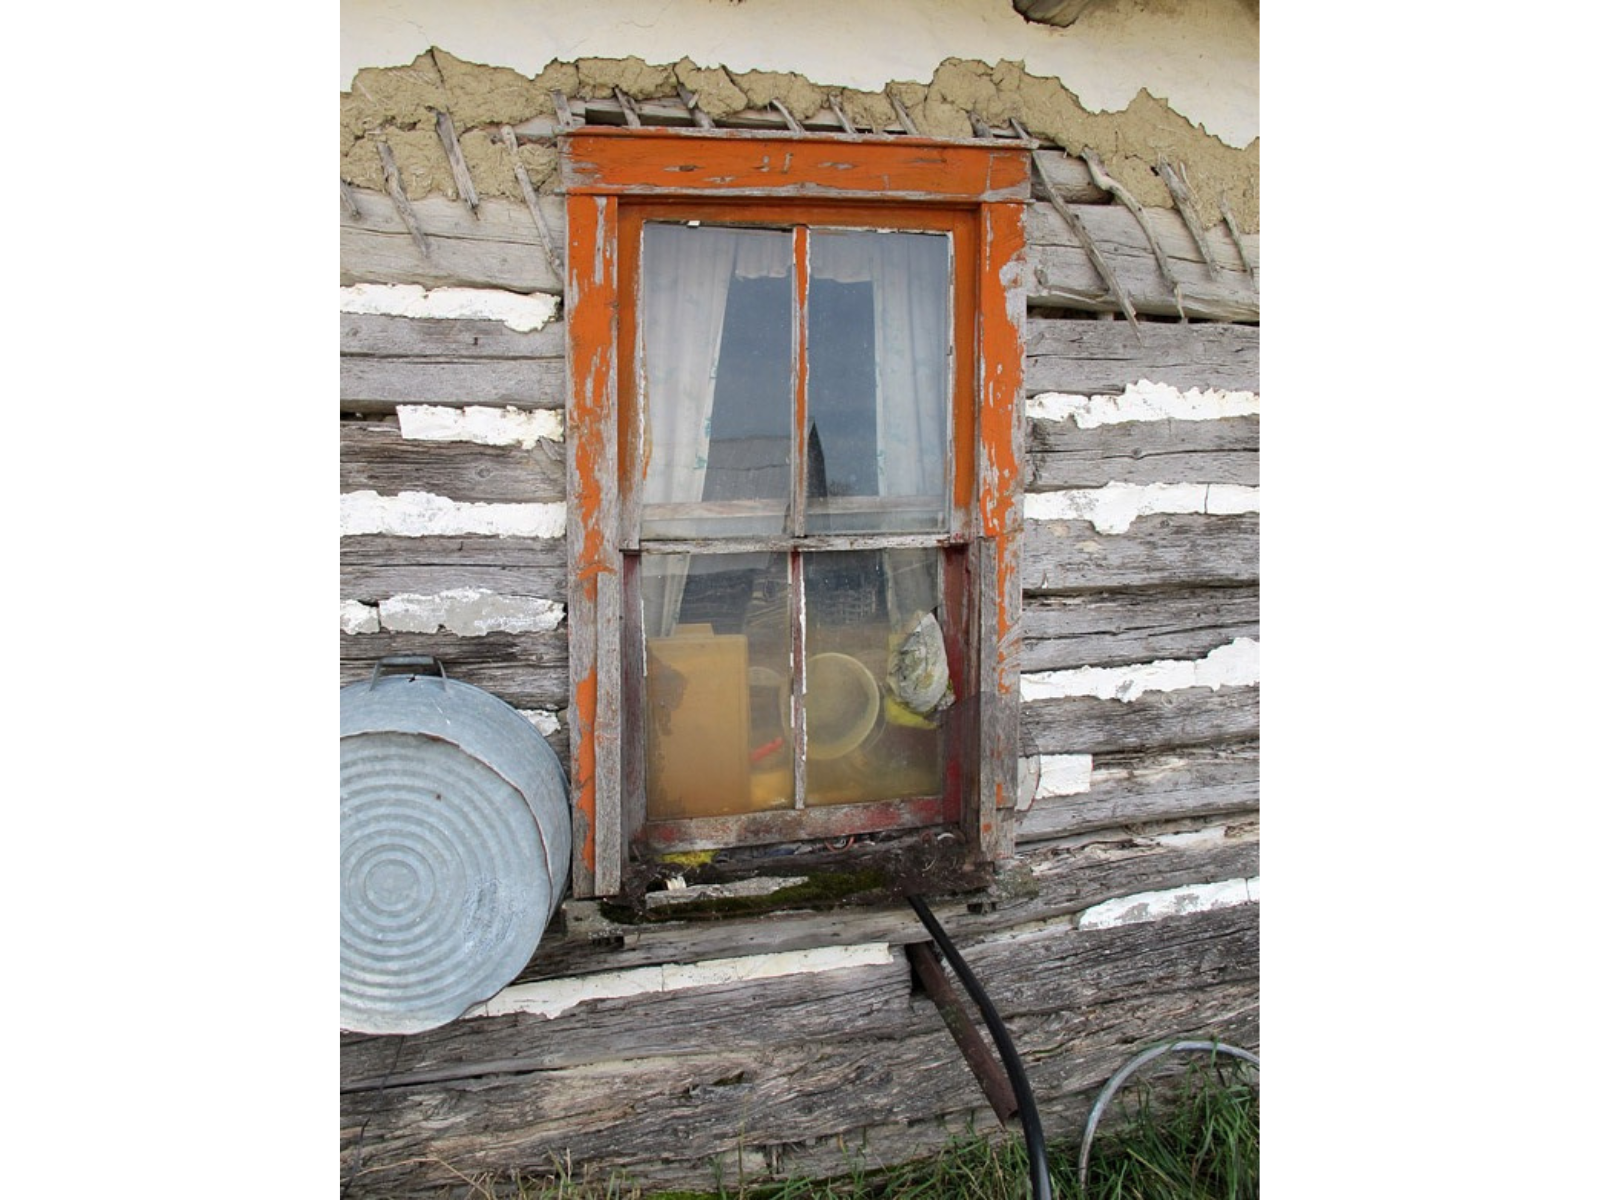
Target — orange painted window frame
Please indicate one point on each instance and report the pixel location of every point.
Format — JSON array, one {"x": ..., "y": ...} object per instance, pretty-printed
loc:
[{"x": 607, "y": 171}]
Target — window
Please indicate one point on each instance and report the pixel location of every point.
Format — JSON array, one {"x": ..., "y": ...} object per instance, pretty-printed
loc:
[{"x": 794, "y": 430}]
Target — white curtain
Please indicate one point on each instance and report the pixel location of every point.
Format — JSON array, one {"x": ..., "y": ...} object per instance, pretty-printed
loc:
[
  {"x": 910, "y": 275},
  {"x": 685, "y": 277}
]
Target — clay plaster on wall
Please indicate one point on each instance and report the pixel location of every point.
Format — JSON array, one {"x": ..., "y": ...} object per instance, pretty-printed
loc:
[
  {"x": 1174, "y": 902},
  {"x": 480, "y": 425},
  {"x": 465, "y": 612},
  {"x": 468, "y": 612},
  {"x": 1201, "y": 56},
  {"x": 1143, "y": 401},
  {"x": 356, "y": 617},
  {"x": 1051, "y": 776},
  {"x": 1116, "y": 506},
  {"x": 422, "y": 514},
  {"x": 523, "y": 313},
  {"x": 549, "y": 998},
  {"x": 733, "y": 64},
  {"x": 545, "y": 721},
  {"x": 1238, "y": 664}
]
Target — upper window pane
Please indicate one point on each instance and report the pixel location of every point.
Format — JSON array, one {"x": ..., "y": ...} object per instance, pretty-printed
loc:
[
  {"x": 718, "y": 376},
  {"x": 878, "y": 382}
]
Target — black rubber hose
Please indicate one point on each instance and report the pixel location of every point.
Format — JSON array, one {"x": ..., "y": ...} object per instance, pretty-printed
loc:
[{"x": 1027, "y": 1110}]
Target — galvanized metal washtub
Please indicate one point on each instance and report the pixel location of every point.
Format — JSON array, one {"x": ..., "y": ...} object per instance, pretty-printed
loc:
[{"x": 455, "y": 834}]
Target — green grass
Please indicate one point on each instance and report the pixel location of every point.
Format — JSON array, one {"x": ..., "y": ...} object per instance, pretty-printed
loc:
[{"x": 1194, "y": 1136}]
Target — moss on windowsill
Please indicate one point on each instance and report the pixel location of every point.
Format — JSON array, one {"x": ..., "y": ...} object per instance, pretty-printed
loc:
[
  {"x": 880, "y": 874},
  {"x": 828, "y": 888}
]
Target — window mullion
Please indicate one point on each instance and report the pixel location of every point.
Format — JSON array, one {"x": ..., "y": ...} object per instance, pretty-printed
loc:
[
  {"x": 797, "y": 456},
  {"x": 797, "y": 660},
  {"x": 797, "y": 508}
]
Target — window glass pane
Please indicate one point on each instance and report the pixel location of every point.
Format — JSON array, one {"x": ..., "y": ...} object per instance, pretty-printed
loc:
[
  {"x": 717, "y": 684},
  {"x": 717, "y": 326},
  {"x": 877, "y": 678},
  {"x": 878, "y": 359}
]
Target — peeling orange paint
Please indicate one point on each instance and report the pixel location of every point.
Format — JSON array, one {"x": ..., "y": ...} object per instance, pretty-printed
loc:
[
  {"x": 583, "y": 692},
  {"x": 1004, "y": 242},
  {"x": 591, "y": 318},
  {"x": 618, "y": 178},
  {"x": 874, "y": 168}
]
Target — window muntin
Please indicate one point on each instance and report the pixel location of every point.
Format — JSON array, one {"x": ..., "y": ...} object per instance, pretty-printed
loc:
[
  {"x": 720, "y": 707},
  {"x": 738, "y": 425}
]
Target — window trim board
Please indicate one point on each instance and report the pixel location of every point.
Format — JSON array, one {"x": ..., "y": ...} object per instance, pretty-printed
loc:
[{"x": 599, "y": 166}]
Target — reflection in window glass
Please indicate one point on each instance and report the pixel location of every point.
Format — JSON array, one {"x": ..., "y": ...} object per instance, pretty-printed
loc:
[
  {"x": 722, "y": 637},
  {"x": 717, "y": 684},
  {"x": 878, "y": 372},
  {"x": 718, "y": 378},
  {"x": 877, "y": 678}
]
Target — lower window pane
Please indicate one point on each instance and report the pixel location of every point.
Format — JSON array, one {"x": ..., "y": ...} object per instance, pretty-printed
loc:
[
  {"x": 718, "y": 690},
  {"x": 877, "y": 679},
  {"x": 717, "y": 684}
]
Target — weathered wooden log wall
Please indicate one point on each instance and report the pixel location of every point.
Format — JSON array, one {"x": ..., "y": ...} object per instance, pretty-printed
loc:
[{"x": 796, "y": 1041}]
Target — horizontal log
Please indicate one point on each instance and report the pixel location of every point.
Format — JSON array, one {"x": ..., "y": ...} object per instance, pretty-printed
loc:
[
  {"x": 1060, "y": 455},
  {"x": 1075, "y": 1001},
  {"x": 1093, "y": 357},
  {"x": 1231, "y": 1016},
  {"x": 841, "y": 1005},
  {"x": 1080, "y": 357},
  {"x": 502, "y": 248},
  {"x": 1060, "y": 557},
  {"x": 1110, "y": 629},
  {"x": 1062, "y": 277},
  {"x": 1156, "y": 720},
  {"x": 1130, "y": 790},
  {"x": 1069, "y": 176},
  {"x": 452, "y": 339},
  {"x": 526, "y": 670},
  {"x": 376, "y": 567},
  {"x": 1053, "y": 882},
  {"x": 373, "y": 456},
  {"x": 378, "y": 384},
  {"x": 385, "y": 361},
  {"x": 852, "y": 1002},
  {"x": 499, "y": 247}
]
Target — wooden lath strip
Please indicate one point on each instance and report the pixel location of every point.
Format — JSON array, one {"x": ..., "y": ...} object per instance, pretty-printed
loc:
[
  {"x": 347, "y": 194},
  {"x": 1238, "y": 241},
  {"x": 397, "y": 193},
  {"x": 691, "y": 101},
  {"x": 980, "y": 127},
  {"x": 508, "y": 137},
  {"x": 788, "y": 117},
  {"x": 446, "y": 129},
  {"x": 1096, "y": 259},
  {"x": 684, "y": 109},
  {"x": 838, "y": 111},
  {"x": 563, "y": 109},
  {"x": 1102, "y": 180},
  {"x": 906, "y": 122},
  {"x": 1184, "y": 199},
  {"x": 630, "y": 110}
]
